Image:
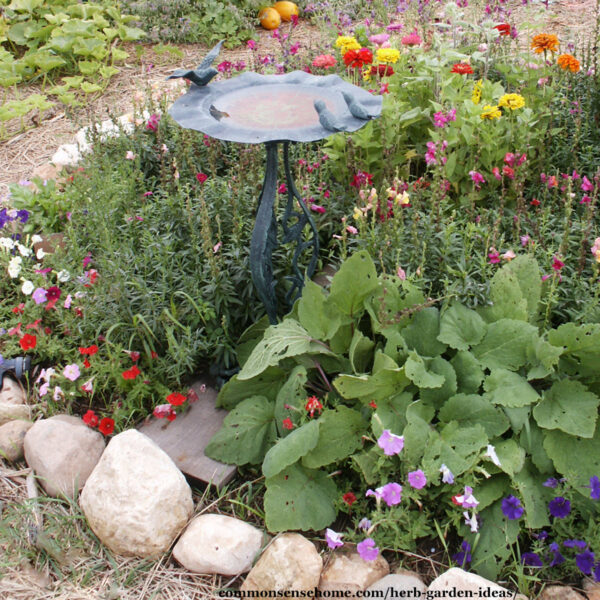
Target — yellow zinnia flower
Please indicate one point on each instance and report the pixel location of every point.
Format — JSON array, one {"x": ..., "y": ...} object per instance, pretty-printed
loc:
[
  {"x": 387, "y": 55},
  {"x": 512, "y": 101},
  {"x": 345, "y": 43},
  {"x": 491, "y": 112},
  {"x": 544, "y": 41},
  {"x": 476, "y": 94},
  {"x": 568, "y": 62}
]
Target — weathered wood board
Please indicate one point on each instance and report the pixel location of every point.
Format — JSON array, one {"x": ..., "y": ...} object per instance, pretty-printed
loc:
[{"x": 185, "y": 438}]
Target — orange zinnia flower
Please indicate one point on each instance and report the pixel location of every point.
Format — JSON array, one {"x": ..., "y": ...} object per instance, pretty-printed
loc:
[
  {"x": 568, "y": 62},
  {"x": 543, "y": 42}
]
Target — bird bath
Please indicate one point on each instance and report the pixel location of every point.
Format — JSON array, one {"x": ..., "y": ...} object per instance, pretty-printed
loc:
[{"x": 273, "y": 109}]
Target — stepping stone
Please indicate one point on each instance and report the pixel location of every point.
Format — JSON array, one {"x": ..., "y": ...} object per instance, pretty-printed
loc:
[{"x": 185, "y": 438}]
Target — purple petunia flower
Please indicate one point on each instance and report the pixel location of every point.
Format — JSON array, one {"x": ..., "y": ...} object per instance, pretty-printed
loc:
[
  {"x": 333, "y": 539},
  {"x": 390, "y": 443},
  {"x": 559, "y": 507},
  {"x": 23, "y": 215},
  {"x": 552, "y": 482},
  {"x": 531, "y": 559},
  {"x": 557, "y": 557},
  {"x": 594, "y": 488},
  {"x": 512, "y": 509},
  {"x": 417, "y": 479},
  {"x": 367, "y": 549},
  {"x": 464, "y": 556},
  {"x": 391, "y": 493},
  {"x": 364, "y": 524},
  {"x": 39, "y": 295},
  {"x": 575, "y": 544},
  {"x": 585, "y": 562},
  {"x": 542, "y": 535}
]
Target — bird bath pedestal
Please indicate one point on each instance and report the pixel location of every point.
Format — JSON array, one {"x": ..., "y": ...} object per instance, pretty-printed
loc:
[{"x": 274, "y": 109}]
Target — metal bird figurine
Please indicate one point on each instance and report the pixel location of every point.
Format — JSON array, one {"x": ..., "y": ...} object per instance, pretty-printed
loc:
[
  {"x": 216, "y": 113},
  {"x": 204, "y": 73},
  {"x": 356, "y": 108},
  {"x": 327, "y": 119}
]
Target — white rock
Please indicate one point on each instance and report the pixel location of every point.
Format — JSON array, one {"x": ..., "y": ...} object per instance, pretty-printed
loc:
[
  {"x": 12, "y": 436},
  {"x": 352, "y": 573},
  {"x": 136, "y": 500},
  {"x": 81, "y": 139},
  {"x": 559, "y": 592},
  {"x": 63, "y": 451},
  {"x": 218, "y": 544},
  {"x": 456, "y": 579},
  {"x": 10, "y": 412},
  {"x": 67, "y": 154},
  {"x": 12, "y": 391},
  {"x": 410, "y": 584},
  {"x": 291, "y": 562}
]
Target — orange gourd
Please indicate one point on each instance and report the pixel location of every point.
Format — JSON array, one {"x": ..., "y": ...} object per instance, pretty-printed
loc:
[
  {"x": 286, "y": 9},
  {"x": 269, "y": 18}
]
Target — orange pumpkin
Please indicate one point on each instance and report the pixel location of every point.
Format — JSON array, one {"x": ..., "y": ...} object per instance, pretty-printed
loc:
[
  {"x": 286, "y": 9},
  {"x": 269, "y": 18}
]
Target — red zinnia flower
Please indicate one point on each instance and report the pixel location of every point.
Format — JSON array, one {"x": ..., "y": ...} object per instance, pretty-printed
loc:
[
  {"x": 107, "y": 426},
  {"x": 382, "y": 70},
  {"x": 201, "y": 177},
  {"x": 287, "y": 424},
  {"x": 131, "y": 373},
  {"x": 349, "y": 498},
  {"x": 90, "y": 418},
  {"x": 176, "y": 399},
  {"x": 89, "y": 351},
  {"x": 503, "y": 28},
  {"x": 462, "y": 69},
  {"x": 28, "y": 341}
]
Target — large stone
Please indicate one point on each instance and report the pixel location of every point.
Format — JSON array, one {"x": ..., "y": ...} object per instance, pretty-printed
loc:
[
  {"x": 218, "y": 544},
  {"x": 12, "y": 437},
  {"x": 291, "y": 562},
  {"x": 592, "y": 589},
  {"x": 10, "y": 412},
  {"x": 136, "y": 500},
  {"x": 62, "y": 451},
  {"x": 351, "y": 572},
  {"x": 559, "y": 592},
  {"x": 456, "y": 580},
  {"x": 404, "y": 585},
  {"x": 12, "y": 392}
]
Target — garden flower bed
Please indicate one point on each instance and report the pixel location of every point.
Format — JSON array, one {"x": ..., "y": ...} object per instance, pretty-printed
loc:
[{"x": 434, "y": 404}]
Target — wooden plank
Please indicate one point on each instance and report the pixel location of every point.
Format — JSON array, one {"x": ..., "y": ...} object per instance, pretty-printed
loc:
[{"x": 185, "y": 438}]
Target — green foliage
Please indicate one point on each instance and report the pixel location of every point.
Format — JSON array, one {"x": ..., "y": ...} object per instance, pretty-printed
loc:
[{"x": 453, "y": 384}]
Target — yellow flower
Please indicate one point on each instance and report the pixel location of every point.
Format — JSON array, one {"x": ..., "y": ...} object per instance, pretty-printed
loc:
[
  {"x": 403, "y": 199},
  {"x": 476, "y": 94},
  {"x": 345, "y": 43},
  {"x": 512, "y": 101},
  {"x": 544, "y": 41},
  {"x": 568, "y": 62},
  {"x": 366, "y": 74},
  {"x": 387, "y": 55},
  {"x": 357, "y": 214},
  {"x": 391, "y": 193},
  {"x": 491, "y": 112}
]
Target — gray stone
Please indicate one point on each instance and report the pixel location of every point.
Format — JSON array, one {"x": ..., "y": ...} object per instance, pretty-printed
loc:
[
  {"x": 290, "y": 562},
  {"x": 12, "y": 437},
  {"x": 136, "y": 500},
  {"x": 459, "y": 580},
  {"x": 219, "y": 544},
  {"x": 559, "y": 592},
  {"x": 62, "y": 451},
  {"x": 10, "y": 412}
]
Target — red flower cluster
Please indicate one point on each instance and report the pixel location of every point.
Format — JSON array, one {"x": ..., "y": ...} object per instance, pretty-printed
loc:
[
  {"x": 361, "y": 178},
  {"x": 164, "y": 411},
  {"x": 313, "y": 404},
  {"x": 357, "y": 59},
  {"x": 89, "y": 351},
  {"x": 382, "y": 70},
  {"x": 503, "y": 28},
  {"x": 349, "y": 498},
  {"x": 28, "y": 341},
  {"x": 131, "y": 373},
  {"x": 461, "y": 69},
  {"x": 106, "y": 425},
  {"x": 176, "y": 399}
]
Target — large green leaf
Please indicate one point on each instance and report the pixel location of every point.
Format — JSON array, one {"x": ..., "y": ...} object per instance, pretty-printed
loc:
[
  {"x": 353, "y": 283},
  {"x": 544, "y": 358},
  {"x": 422, "y": 333},
  {"x": 474, "y": 409},
  {"x": 299, "y": 498},
  {"x": 383, "y": 384},
  {"x": 290, "y": 449},
  {"x": 527, "y": 271},
  {"x": 532, "y": 441},
  {"x": 437, "y": 396},
  {"x": 570, "y": 407},
  {"x": 535, "y": 496},
  {"x": 417, "y": 432},
  {"x": 417, "y": 371},
  {"x": 461, "y": 327},
  {"x": 340, "y": 434},
  {"x": 581, "y": 343},
  {"x": 490, "y": 489},
  {"x": 576, "y": 458},
  {"x": 509, "y": 389},
  {"x": 505, "y": 344},
  {"x": 316, "y": 314},
  {"x": 507, "y": 299},
  {"x": 284, "y": 340},
  {"x": 293, "y": 395},
  {"x": 266, "y": 384},
  {"x": 391, "y": 413},
  {"x": 366, "y": 464},
  {"x": 510, "y": 455},
  {"x": 469, "y": 374},
  {"x": 360, "y": 352},
  {"x": 248, "y": 432}
]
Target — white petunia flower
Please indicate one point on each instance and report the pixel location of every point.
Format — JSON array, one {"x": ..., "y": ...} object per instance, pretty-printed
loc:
[
  {"x": 491, "y": 453},
  {"x": 27, "y": 287},
  {"x": 14, "y": 266},
  {"x": 7, "y": 243},
  {"x": 36, "y": 239},
  {"x": 63, "y": 276},
  {"x": 23, "y": 250}
]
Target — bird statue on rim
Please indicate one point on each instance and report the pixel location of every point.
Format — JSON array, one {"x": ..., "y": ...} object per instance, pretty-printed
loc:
[
  {"x": 356, "y": 109},
  {"x": 327, "y": 119},
  {"x": 204, "y": 73}
]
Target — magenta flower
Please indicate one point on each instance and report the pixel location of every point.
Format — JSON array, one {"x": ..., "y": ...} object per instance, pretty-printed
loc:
[
  {"x": 587, "y": 185},
  {"x": 439, "y": 119},
  {"x": 318, "y": 209},
  {"x": 585, "y": 199},
  {"x": 391, "y": 493},
  {"x": 152, "y": 123},
  {"x": 390, "y": 443},
  {"x": 333, "y": 539},
  {"x": 412, "y": 39},
  {"x": 417, "y": 479},
  {"x": 494, "y": 256},
  {"x": 496, "y": 173},
  {"x": 367, "y": 549},
  {"x": 477, "y": 178}
]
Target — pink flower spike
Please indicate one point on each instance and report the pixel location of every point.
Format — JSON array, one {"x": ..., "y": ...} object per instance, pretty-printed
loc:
[
  {"x": 494, "y": 256},
  {"x": 390, "y": 443},
  {"x": 217, "y": 247},
  {"x": 351, "y": 230},
  {"x": 401, "y": 273},
  {"x": 525, "y": 240},
  {"x": 585, "y": 200},
  {"x": 587, "y": 185},
  {"x": 544, "y": 277},
  {"x": 367, "y": 549},
  {"x": 496, "y": 173},
  {"x": 557, "y": 264},
  {"x": 333, "y": 539}
]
